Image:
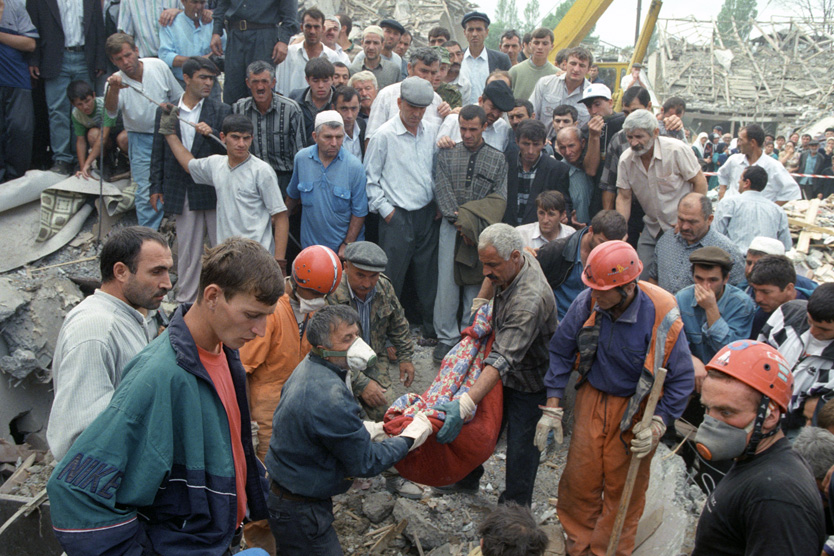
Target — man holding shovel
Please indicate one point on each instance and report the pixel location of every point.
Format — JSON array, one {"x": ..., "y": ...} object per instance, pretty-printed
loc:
[{"x": 623, "y": 330}]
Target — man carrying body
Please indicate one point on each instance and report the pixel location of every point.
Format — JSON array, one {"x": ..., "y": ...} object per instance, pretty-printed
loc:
[
  {"x": 292, "y": 71},
  {"x": 670, "y": 268},
  {"x": 526, "y": 74},
  {"x": 554, "y": 90},
  {"x": 398, "y": 164},
  {"x": 316, "y": 456},
  {"x": 249, "y": 201},
  {"x": 523, "y": 320},
  {"x": 279, "y": 124},
  {"x": 176, "y": 471},
  {"x": 255, "y": 31},
  {"x": 385, "y": 71},
  {"x": 329, "y": 183},
  {"x": 781, "y": 187},
  {"x": 803, "y": 332},
  {"x": 714, "y": 312},
  {"x": 470, "y": 171},
  {"x": 750, "y": 214},
  {"x": 768, "y": 495},
  {"x": 659, "y": 171},
  {"x": 621, "y": 323},
  {"x": 172, "y": 188},
  {"x": 478, "y": 60},
  {"x": 154, "y": 78},
  {"x": 102, "y": 333},
  {"x": 270, "y": 359},
  {"x": 424, "y": 63}
]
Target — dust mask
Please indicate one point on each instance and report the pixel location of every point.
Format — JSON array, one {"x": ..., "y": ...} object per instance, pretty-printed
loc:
[
  {"x": 307, "y": 306},
  {"x": 359, "y": 355},
  {"x": 718, "y": 441}
]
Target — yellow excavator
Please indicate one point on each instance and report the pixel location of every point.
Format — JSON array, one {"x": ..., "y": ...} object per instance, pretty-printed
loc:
[{"x": 577, "y": 23}]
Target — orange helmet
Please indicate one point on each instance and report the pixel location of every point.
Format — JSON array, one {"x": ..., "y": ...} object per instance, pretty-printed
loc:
[
  {"x": 759, "y": 366},
  {"x": 317, "y": 268},
  {"x": 610, "y": 265}
]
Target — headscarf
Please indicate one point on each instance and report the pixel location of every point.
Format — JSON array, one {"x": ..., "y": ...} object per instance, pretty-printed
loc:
[{"x": 697, "y": 143}]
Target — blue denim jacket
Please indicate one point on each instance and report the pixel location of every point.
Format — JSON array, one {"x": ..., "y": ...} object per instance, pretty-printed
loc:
[
  {"x": 736, "y": 310},
  {"x": 319, "y": 444}
]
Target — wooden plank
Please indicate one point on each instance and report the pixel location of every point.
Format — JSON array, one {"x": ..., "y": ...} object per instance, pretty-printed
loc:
[
  {"x": 805, "y": 236},
  {"x": 810, "y": 227},
  {"x": 752, "y": 59},
  {"x": 18, "y": 476},
  {"x": 392, "y": 534}
]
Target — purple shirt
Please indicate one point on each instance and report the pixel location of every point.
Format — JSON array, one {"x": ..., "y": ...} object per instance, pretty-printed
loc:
[{"x": 621, "y": 353}]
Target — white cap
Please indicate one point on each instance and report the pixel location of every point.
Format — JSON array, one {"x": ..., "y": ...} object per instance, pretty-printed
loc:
[
  {"x": 328, "y": 117},
  {"x": 767, "y": 245},
  {"x": 596, "y": 90}
]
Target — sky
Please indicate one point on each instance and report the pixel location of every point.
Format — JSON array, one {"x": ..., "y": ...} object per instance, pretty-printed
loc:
[{"x": 616, "y": 26}]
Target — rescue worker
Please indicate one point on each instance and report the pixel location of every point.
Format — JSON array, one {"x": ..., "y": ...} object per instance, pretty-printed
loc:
[
  {"x": 613, "y": 326},
  {"x": 768, "y": 502},
  {"x": 270, "y": 359}
]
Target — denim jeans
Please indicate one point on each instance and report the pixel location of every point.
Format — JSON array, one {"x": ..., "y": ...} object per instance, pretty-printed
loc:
[
  {"x": 303, "y": 528},
  {"x": 73, "y": 68},
  {"x": 139, "y": 150},
  {"x": 521, "y": 414}
]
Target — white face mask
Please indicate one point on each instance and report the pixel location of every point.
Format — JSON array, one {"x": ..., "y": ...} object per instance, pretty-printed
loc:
[
  {"x": 311, "y": 305},
  {"x": 359, "y": 355}
]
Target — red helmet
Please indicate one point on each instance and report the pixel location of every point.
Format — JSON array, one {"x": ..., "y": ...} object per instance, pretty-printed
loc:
[
  {"x": 610, "y": 265},
  {"x": 759, "y": 366},
  {"x": 317, "y": 268}
]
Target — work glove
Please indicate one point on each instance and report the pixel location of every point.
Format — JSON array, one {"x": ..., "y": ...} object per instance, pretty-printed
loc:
[
  {"x": 477, "y": 303},
  {"x": 375, "y": 430},
  {"x": 419, "y": 429},
  {"x": 168, "y": 121},
  {"x": 551, "y": 420},
  {"x": 646, "y": 439},
  {"x": 456, "y": 412}
]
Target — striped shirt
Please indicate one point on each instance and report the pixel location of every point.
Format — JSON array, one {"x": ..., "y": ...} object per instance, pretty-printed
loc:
[
  {"x": 140, "y": 18},
  {"x": 279, "y": 133},
  {"x": 72, "y": 20},
  {"x": 98, "y": 338},
  {"x": 463, "y": 176}
]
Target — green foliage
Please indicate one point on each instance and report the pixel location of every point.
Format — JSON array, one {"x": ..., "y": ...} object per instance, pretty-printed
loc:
[
  {"x": 531, "y": 16},
  {"x": 742, "y": 11}
]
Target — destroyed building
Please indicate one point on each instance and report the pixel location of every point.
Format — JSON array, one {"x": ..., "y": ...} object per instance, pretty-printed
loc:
[{"x": 774, "y": 77}]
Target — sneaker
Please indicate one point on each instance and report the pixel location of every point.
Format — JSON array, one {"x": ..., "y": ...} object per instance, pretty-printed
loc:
[
  {"x": 61, "y": 167},
  {"x": 455, "y": 488},
  {"x": 403, "y": 487},
  {"x": 440, "y": 351}
]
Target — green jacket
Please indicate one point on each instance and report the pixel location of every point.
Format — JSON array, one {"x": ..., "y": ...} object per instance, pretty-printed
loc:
[{"x": 388, "y": 323}]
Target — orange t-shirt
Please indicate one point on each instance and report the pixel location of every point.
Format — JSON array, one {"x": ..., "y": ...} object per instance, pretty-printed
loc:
[{"x": 218, "y": 370}]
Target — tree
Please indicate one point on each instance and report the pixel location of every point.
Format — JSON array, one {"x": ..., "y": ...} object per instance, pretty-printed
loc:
[
  {"x": 740, "y": 11},
  {"x": 818, "y": 11},
  {"x": 531, "y": 16},
  {"x": 506, "y": 17}
]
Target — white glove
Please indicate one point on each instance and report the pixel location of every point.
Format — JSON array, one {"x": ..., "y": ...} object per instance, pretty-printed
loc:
[
  {"x": 467, "y": 406},
  {"x": 375, "y": 430},
  {"x": 646, "y": 439},
  {"x": 551, "y": 420},
  {"x": 477, "y": 303},
  {"x": 419, "y": 429}
]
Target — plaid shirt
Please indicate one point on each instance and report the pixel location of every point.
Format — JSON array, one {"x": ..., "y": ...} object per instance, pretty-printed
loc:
[
  {"x": 279, "y": 133},
  {"x": 524, "y": 319},
  {"x": 462, "y": 176}
]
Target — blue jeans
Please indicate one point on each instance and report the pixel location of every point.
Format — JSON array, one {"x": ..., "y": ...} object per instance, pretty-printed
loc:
[
  {"x": 303, "y": 528},
  {"x": 73, "y": 68},
  {"x": 139, "y": 150}
]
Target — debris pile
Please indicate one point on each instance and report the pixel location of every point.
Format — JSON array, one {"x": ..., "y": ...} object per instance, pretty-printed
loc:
[
  {"x": 771, "y": 78},
  {"x": 812, "y": 227}
]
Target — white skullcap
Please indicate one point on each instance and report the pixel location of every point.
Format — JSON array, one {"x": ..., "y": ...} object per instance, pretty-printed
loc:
[
  {"x": 328, "y": 117},
  {"x": 767, "y": 245}
]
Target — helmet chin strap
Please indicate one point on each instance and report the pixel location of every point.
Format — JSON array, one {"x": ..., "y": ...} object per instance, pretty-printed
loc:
[
  {"x": 623, "y": 297},
  {"x": 761, "y": 414}
]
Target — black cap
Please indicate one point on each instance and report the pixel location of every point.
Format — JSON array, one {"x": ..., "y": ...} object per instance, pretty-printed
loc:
[
  {"x": 393, "y": 24},
  {"x": 713, "y": 256},
  {"x": 500, "y": 94},
  {"x": 474, "y": 15}
]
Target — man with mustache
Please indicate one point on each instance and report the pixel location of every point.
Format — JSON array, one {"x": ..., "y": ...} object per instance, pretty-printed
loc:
[
  {"x": 366, "y": 85},
  {"x": 103, "y": 332}
]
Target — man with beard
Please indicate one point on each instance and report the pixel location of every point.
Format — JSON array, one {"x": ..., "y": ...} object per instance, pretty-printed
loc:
[
  {"x": 659, "y": 171},
  {"x": 103, "y": 332}
]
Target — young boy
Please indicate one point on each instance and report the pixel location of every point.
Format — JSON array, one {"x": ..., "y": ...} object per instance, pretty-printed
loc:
[
  {"x": 550, "y": 209},
  {"x": 249, "y": 202},
  {"x": 90, "y": 123}
]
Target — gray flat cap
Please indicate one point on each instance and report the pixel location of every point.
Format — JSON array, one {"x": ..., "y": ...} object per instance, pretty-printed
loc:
[
  {"x": 366, "y": 256},
  {"x": 416, "y": 91}
]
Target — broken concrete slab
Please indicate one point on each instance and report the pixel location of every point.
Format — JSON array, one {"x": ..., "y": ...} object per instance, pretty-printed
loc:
[
  {"x": 378, "y": 506},
  {"x": 419, "y": 526}
]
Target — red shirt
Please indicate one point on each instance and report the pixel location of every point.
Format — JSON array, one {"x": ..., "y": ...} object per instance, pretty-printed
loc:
[{"x": 218, "y": 370}]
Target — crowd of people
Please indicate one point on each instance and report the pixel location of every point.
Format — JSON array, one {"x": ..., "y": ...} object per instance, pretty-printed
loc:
[{"x": 343, "y": 185}]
